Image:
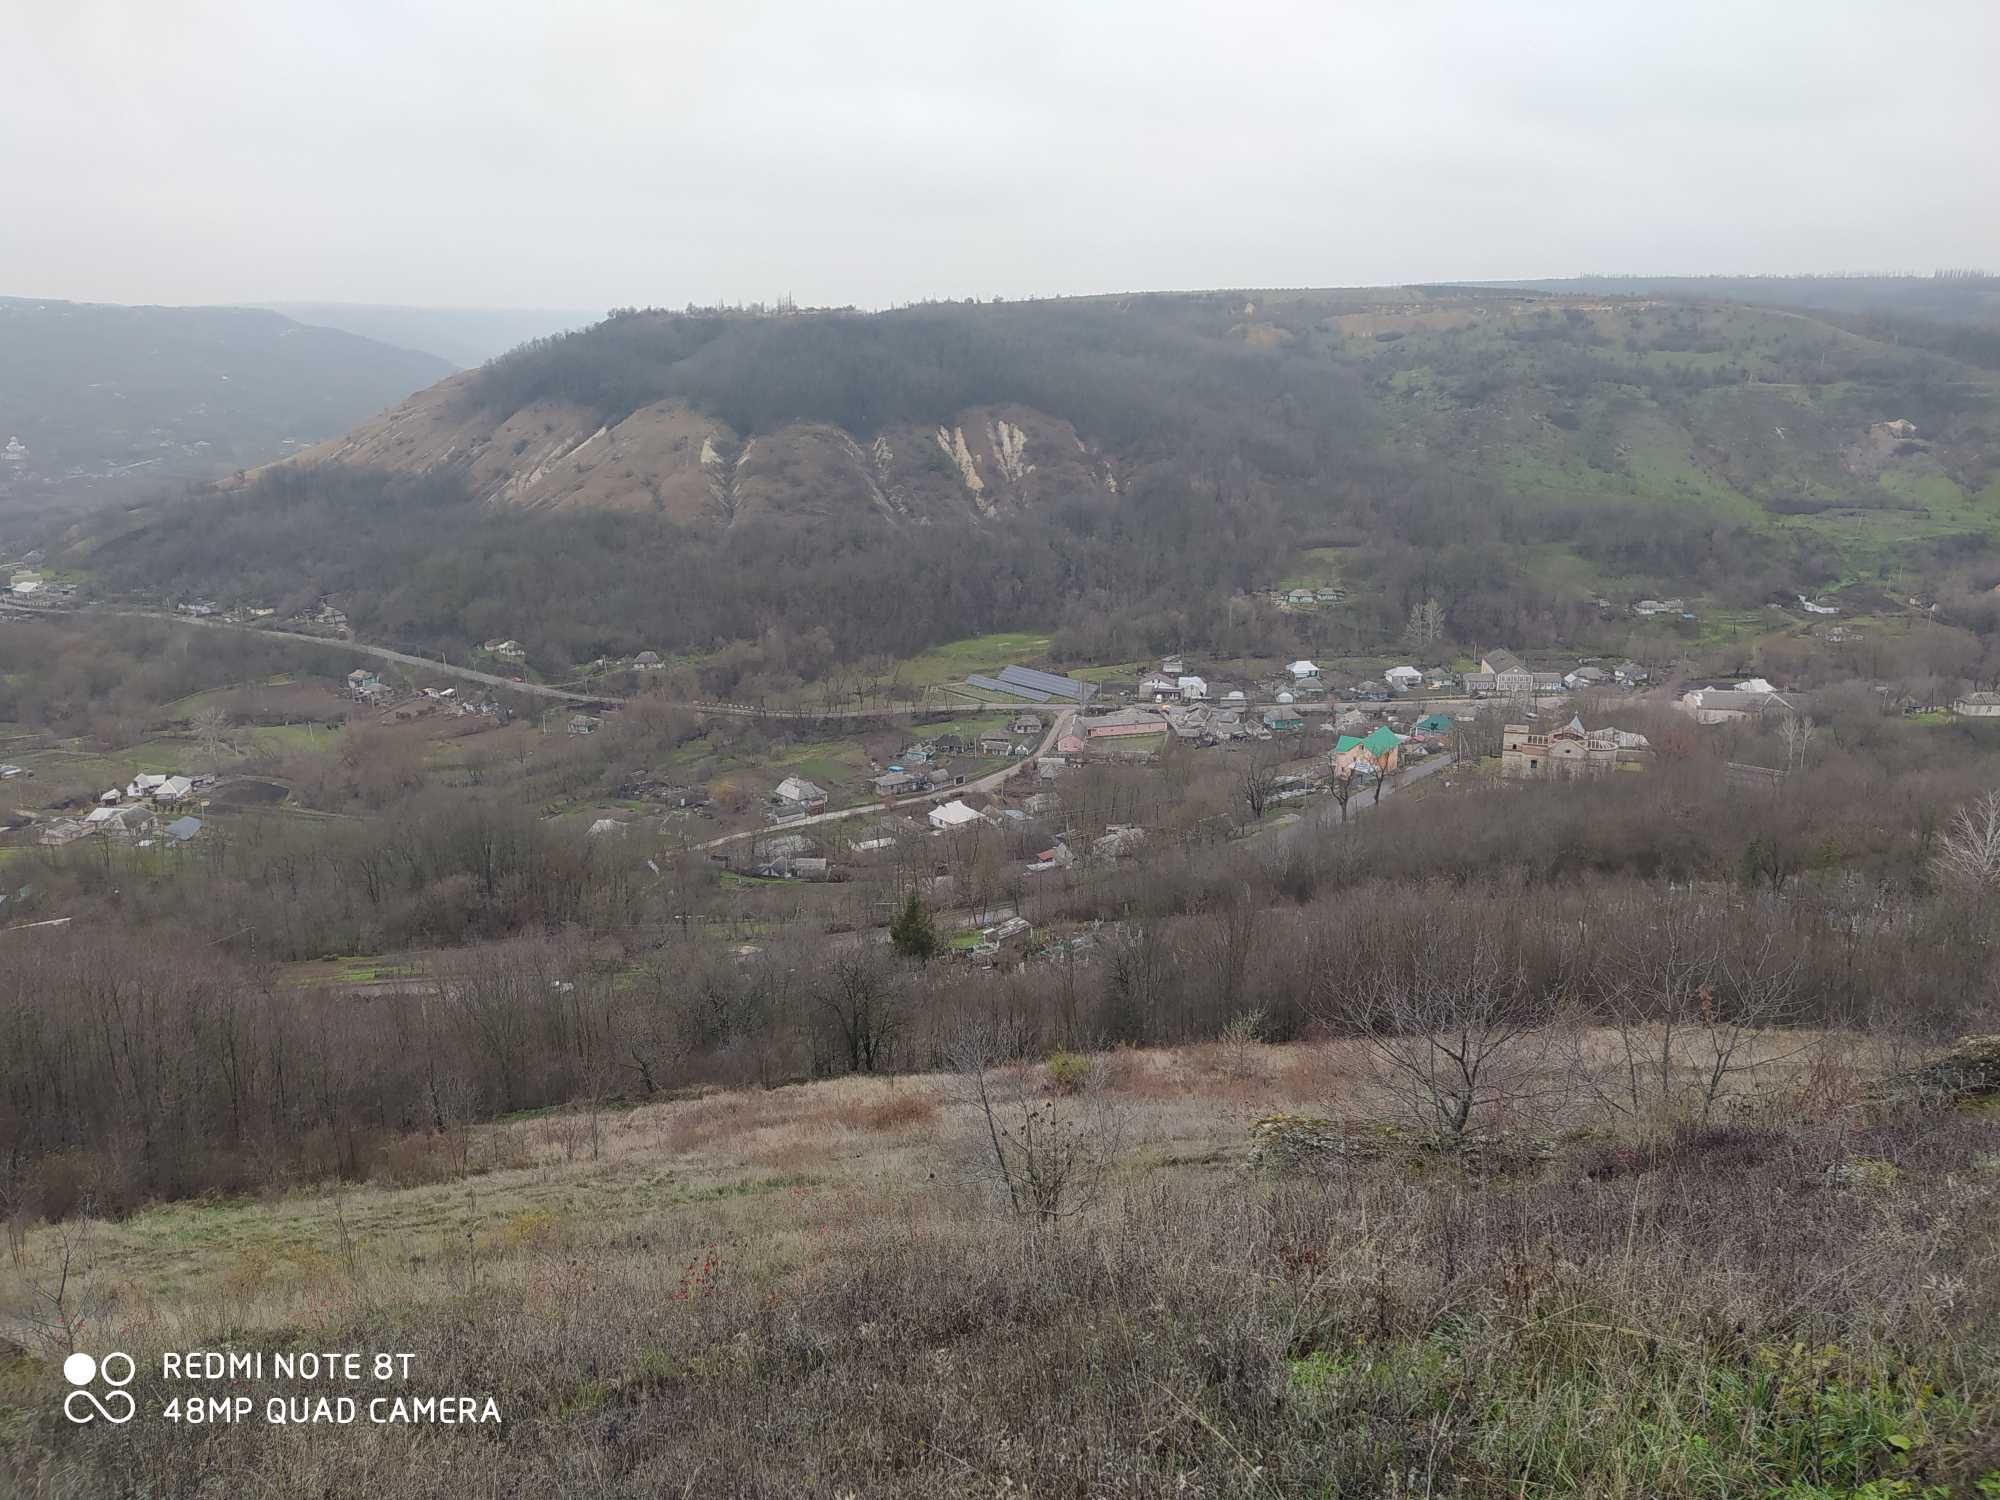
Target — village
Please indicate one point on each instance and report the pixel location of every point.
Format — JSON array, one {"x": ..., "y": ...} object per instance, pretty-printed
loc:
[{"x": 986, "y": 793}]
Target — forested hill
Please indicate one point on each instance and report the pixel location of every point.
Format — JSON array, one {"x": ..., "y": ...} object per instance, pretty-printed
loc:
[
  {"x": 1113, "y": 467},
  {"x": 100, "y": 400}
]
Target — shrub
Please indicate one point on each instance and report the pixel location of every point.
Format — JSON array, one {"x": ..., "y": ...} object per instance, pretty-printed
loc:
[{"x": 1068, "y": 1072}]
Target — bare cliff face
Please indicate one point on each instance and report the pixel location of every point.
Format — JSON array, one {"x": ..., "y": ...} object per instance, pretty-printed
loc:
[{"x": 671, "y": 460}]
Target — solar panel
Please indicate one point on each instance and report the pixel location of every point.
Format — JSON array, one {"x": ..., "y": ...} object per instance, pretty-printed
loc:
[
  {"x": 1050, "y": 683},
  {"x": 1008, "y": 689}
]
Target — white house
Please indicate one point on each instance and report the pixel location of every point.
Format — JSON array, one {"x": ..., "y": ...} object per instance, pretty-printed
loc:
[
  {"x": 1301, "y": 670},
  {"x": 954, "y": 814},
  {"x": 1978, "y": 706},
  {"x": 1193, "y": 689},
  {"x": 1404, "y": 679}
]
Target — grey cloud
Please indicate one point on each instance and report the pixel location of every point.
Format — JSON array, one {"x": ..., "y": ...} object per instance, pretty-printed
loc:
[{"x": 611, "y": 151}]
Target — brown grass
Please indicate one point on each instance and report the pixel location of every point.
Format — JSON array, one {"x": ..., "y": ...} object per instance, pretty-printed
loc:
[{"x": 791, "y": 1293}]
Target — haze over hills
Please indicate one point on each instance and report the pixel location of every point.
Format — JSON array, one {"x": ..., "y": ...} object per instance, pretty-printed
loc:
[
  {"x": 101, "y": 400},
  {"x": 896, "y": 478},
  {"x": 465, "y": 336}
]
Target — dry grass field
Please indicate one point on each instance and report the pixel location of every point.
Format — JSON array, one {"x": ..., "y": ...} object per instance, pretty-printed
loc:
[{"x": 821, "y": 1290}]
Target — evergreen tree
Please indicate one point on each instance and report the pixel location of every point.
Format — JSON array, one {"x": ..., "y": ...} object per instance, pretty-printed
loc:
[{"x": 912, "y": 932}]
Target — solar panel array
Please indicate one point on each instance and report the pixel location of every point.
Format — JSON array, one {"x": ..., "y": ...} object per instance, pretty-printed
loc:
[
  {"x": 1048, "y": 683},
  {"x": 1008, "y": 690}
]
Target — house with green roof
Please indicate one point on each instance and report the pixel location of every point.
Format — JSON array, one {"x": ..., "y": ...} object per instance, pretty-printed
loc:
[
  {"x": 1380, "y": 750},
  {"x": 1433, "y": 724}
]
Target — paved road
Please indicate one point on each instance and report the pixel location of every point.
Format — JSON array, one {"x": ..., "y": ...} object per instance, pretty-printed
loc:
[{"x": 987, "y": 783}]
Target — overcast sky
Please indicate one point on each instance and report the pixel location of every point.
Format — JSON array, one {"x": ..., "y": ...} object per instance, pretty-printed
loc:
[{"x": 590, "y": 153}]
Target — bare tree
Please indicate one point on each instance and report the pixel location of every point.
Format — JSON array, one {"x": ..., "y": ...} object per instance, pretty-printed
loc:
[
  {"x": 1675, "y": 1007},
  {"x": 1797, "y": 732},
  {"x": 1454, "y": 1030},
  {"x": 1048, "y": 1150},
  {"x": 1967, "y": 856},
  {"x": 862, "y": 1003},
  {"x": 211, "y": 727},
  {"x": 1342, "y": 787}
]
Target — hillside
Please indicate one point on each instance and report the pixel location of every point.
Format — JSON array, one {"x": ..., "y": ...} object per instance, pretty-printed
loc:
[
  {"x": 105, "y": 400},
  {"x": 948, "y": 469},
  {"x": 1740, "y": 410}
]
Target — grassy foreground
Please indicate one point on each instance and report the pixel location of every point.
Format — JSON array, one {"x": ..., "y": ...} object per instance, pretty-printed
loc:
[{"x": 810, "y": 1291}]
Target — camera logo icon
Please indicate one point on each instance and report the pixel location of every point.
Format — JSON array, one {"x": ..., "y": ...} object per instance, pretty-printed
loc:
[{"x": 80, "y": 1370}]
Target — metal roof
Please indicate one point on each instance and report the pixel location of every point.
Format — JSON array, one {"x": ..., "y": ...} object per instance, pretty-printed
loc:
[
  {"x": 1050, "y": 683},
  {"x": 1011, "y": 690}
]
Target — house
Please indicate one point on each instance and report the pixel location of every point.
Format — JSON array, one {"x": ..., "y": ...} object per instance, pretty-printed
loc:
[
  {"x": 1192, "y": 689},
  {"x": 584, "y": 723},
  {"x": 1071, "y": 746},
  {"x": 1630, "y": 674},
  {"x": 1977, "y": 706},
  {"x": 1118, "y": 839},
  {"x": 952, "y": 815},
  {"x": 795, "y": 796},
  {"x": 895, "y": 783},
  {"x": 506, "y": 650},
  {"x": 1433, "y": 726},
  {"x": 1479, "y": 685},
  {"x": 1327, "y": 596},
  {"x": 996, "y": 744},
  {"x": 1403, "y": 679},
  {"x": 1546, "y": 682},
  {"x": 173, "y": 789},
  {"x": 62, "y": 831},
  {"x": 1056, "y": 857},
  {"x": 145, "y": 784},
  {"x": 1309, "y": 687},
  {"x": 1380, "y": 751},
  {"x": 1650, "y": 607},
  {"x": 606, "y": 825},
  {"x": 1283, "y": 721},
  {"x": 1172, "y": 666},
  {"x": 1123, "y": 724},
  {"x": 1727, "y": 705},
  {"x": 1189, "y": 723},
  {"x": 1509, "y": 677},
  {"x": 1157, "y": 685},
  {"x": 110, "y": 798},
  {"x": 648, "y": 661},
  {"x": 1025, "y": 724},
  {"x": 1300, "y": 597},
  {"x": 1049, "y": 767},
  {"x": 1301, "y": 670},
  {"x": 1585, "y": 677},
  {"x": 1567, "y": 752},
  {"x": 127, "y": 821}
]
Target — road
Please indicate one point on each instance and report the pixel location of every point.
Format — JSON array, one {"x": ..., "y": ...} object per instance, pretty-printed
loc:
[
  {"x": 699, "y": 706},
  {"x": 986, "y": 783}
]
